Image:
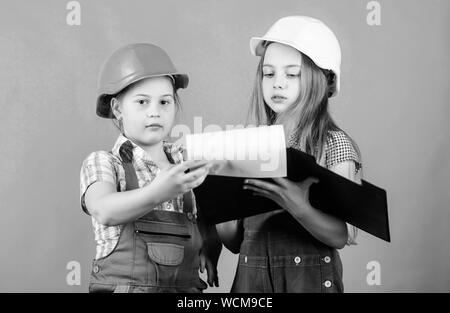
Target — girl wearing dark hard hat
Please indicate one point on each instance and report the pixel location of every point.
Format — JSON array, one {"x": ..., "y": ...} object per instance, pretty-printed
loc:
[
  {"x": 295, "y": 249},
  {"x": 139, "y": 194}
]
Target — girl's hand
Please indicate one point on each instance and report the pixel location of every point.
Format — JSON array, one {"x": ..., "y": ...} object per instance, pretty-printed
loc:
[
  {"x": 210, "y": 252},
  {"x": 291, "y": 196},
  {"x": 174, "y": 180},
  {"x": 207, "y": 262}
]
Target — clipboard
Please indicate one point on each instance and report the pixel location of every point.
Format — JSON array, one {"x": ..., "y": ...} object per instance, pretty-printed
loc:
[{"x": 221, "y": 198}]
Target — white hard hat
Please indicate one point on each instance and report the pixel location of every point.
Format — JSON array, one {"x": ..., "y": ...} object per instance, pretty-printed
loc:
[{"x": 309, "y": 36}]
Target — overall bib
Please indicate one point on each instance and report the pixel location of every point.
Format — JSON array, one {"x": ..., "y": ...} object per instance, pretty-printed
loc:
[
  {"x": 159, "y": 252},
  {"x": 278, "y": 255}
]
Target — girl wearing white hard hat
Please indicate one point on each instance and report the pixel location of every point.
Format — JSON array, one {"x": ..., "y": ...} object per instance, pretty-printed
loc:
[{"x": 295, "y": 249}]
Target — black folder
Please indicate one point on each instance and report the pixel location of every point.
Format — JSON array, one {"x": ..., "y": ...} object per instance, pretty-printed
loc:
[{"x": 221, "y": 198}]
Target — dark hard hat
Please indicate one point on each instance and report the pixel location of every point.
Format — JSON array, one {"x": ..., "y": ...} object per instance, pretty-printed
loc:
[{"x": 130, "y": 64}]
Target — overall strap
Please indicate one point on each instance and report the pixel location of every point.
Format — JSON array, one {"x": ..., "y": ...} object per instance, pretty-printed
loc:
[
  {"x": 126, "y": 154},
  {"x": 188, "y": 206}
]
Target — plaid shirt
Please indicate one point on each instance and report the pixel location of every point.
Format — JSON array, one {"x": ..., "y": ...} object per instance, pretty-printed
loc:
[
  {"x": 338, "y": 149},
  {"x": 102, "y": 166}
]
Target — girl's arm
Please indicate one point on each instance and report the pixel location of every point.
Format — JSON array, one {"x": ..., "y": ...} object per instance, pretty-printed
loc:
[
  {"x": 324, "y": 227},
  {"x": 349, "y": 173},
  {"x": 110, "y": 207},
  {"x": 294, "y": 197},
  {"x": 231, "y": 234}
]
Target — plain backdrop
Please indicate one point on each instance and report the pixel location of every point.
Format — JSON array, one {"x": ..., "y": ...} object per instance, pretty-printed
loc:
[{"x": 394, "y": 103}]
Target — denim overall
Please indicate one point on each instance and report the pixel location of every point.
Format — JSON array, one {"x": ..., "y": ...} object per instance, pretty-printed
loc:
[
  {"x": 278, "y": 255},
  {"x": 159, "y": 252}
]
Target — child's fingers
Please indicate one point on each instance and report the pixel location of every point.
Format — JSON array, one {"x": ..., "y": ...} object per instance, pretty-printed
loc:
[
  {"x": 264, "y": 193},
  {"x": 210, "y": 280},
  {"x": 212, "y": 273},
  {"x": 309, "y": 181},
  {"x": 202, "y": 263},
  {"x": 281, "y": 181},
  {"x": 196, "y": 183},
  {"x": 258, "y": 194},
  {"x": 191, "y": 165},
  {"x": 258, "y": 190},
  {"x": 216, "y": 281},
  {"x": 187, "y": 166},
  {"x": 262, "y": 184},
  {"x": 218, "y": 166},
  {"x": 196, "y": 176}
]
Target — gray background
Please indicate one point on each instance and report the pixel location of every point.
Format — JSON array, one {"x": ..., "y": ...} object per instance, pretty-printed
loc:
[{"x": 395, "y": 86}]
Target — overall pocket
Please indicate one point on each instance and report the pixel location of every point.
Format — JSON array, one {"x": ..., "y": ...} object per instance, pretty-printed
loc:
[
  {"x": 166, "y": 260},
  {"x": 164, "y": 243},
  {"x": 165, "y": 253}
]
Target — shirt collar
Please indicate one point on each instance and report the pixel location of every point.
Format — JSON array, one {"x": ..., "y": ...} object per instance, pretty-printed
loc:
[{"x": 171, "y": 149}]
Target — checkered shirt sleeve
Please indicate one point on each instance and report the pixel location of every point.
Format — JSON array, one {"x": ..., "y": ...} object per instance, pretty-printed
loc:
[
  {"x": 341, "y": 149},
  {"x": 97, "y": 167}
]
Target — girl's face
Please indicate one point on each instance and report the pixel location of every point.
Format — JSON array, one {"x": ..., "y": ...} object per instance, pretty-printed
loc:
[
  {"x": 148, "y": 110},
  {"x": 281, "y": 76}
]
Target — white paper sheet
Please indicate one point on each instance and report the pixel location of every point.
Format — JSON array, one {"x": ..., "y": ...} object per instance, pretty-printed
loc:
[{"x": 248, "y": 152}]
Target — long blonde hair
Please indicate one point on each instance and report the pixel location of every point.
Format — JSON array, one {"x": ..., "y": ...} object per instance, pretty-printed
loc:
[{"x": 307, "y": 121}]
